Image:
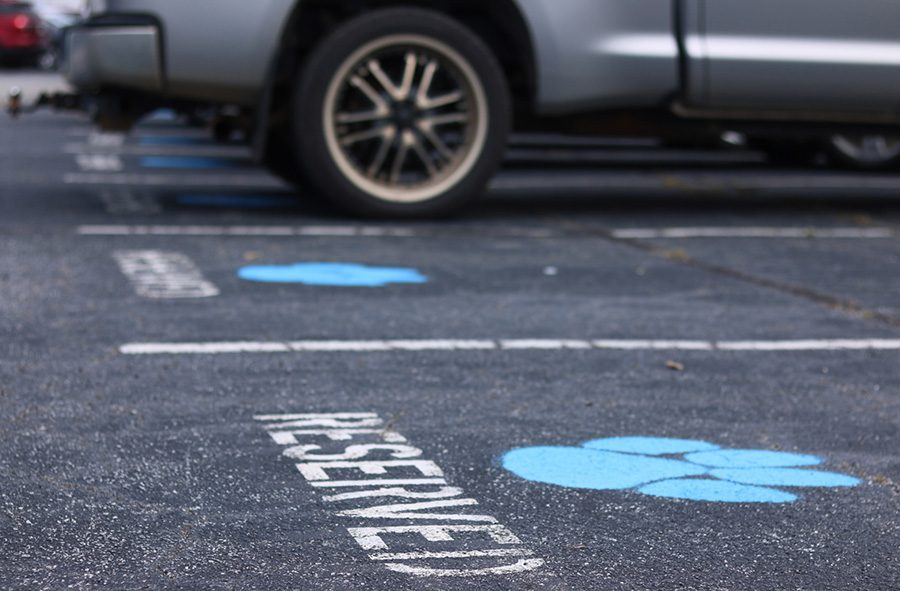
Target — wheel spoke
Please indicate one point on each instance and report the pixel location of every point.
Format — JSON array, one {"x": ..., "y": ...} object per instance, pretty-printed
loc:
[
  {"x": 361, "y": 117},
  {"x": 425, "y": 102},
  {"x": 382, "y": 78},
  {"x": 398, "y": 93},
  {"x": 362, "y": 136},
  {"x": 423, "y": 155},
  {"x": 381, "y": 156},
  {"x": 400, "y": 158},
  {"x": 443, "y": 101},
  {"x": 876, "y": 146},
  {"x": 428, "y": 132},
  {"x": 436, "y": 120},
  {"x": 381, "y": 105},
  {"x": 409, "y": 77},
  {"x": 425, "y": 85}
]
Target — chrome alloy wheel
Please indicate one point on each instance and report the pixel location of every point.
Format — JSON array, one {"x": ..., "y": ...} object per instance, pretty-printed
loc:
[
  {"x": 405, "y": 118},
  {"x": 868, "y": 150}
]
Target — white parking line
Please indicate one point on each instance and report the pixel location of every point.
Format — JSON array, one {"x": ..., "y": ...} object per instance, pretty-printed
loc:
[
  {"x": 557, "y": 182},
  {"x": 629, "y": 181},
  {"x": 751, "y": 232},
  {"x": 105, "y": 140},
  {"x": 257, "y": 181},
  {"x": 133, "y": 150},
  {"x": 506, "y": 345},
  {"x": 364, "y": 231},
  {"x": 270, "y": 231}
]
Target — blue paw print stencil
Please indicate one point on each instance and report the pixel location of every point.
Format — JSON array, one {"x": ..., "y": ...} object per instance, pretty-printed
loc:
[
  {"x": 674, "y": 469},
  {"x": 332, "y": 274}
]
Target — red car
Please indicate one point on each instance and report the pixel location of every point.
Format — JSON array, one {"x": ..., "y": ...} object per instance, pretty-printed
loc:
[{"x": 22, "y": 37}]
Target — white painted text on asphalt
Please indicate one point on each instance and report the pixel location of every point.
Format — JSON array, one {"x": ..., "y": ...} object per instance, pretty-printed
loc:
[
  {"x": 164, "y": 275},
  {"x": 402, "y": 510}
]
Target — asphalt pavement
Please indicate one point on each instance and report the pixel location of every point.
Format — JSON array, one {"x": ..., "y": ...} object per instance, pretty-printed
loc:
[{"x": 628, "y": 367}]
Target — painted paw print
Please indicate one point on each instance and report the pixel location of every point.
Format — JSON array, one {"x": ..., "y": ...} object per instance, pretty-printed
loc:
[
  {"x": 332, "y": 274},
  {"x": 700, "y": 471}
]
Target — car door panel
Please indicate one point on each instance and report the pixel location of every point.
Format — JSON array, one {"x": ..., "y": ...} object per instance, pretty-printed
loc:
[
  {"x": 595, "y": 54},
  {"x": 796, "y": 55}
]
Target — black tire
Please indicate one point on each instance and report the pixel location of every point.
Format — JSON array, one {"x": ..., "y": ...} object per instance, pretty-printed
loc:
[
  {"x": 788, "y": 153},
  {"x": 332, "y": 62}
]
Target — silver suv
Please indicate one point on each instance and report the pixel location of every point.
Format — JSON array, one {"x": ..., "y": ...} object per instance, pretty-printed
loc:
[{"x": 399, "y": 108}]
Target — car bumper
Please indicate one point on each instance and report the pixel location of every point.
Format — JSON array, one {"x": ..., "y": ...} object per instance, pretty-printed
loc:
[
  {"x": 32, "y": 51},
  {"x": 114, "y": 56}
]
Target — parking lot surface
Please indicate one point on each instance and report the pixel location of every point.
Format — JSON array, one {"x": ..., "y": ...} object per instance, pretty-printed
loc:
[{"x": 629, "y": 367}]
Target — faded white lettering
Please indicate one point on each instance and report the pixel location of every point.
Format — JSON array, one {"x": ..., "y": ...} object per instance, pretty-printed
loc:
[
  {"x": 521, "y": 566},
  {"x": 412, "y": 511},
  {"x": 444, "y": 492},
  {"x": 316, "y": 471},
  {"x": 164, "y": 275},
  {"x": 290, "y": 437},
  {"x": 469, "y": 545},
  {"x": 353, "y": 452},
  {"x": 370, "y": 538}
]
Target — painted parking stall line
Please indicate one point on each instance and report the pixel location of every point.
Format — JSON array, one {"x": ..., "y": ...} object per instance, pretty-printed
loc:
[
  {"x": 257, "y": 181},
  {"x": 752, "y": 232},
  {"x": 820, "y": 233},
  {"x": 238, "y": 153},
  {"x": 333, "y": 453},
  {"x": 109, "y": 141},
  {"x": 628, "y": 181},
  {"x": 510, "y": 345},
  {"x": 161, "y": 275},
  {"x": 246, "y": 231},
  {"x": 86, "y": 132}
]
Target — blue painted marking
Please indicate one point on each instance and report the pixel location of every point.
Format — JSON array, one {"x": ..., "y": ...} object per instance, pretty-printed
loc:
[
  {"x": 161, "y": 115},
  {"x": 236, "y": 201},
  {"x": 576, "y": 467},
  {"x": 651, "y": 446},
  {"x": 332, "y": 274},
  {"x": 784, "y": 477},
  {"x": 701, "y": 473},
  {"x": 172, "y": 140},
  {"x": 187, "y": 162},
  {"x": 750, "y": 458},
  {"x": 718, "y": 491}
]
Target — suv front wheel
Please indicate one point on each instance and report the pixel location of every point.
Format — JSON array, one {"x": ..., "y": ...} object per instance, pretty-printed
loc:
[{"x": 401, "y": 113}]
